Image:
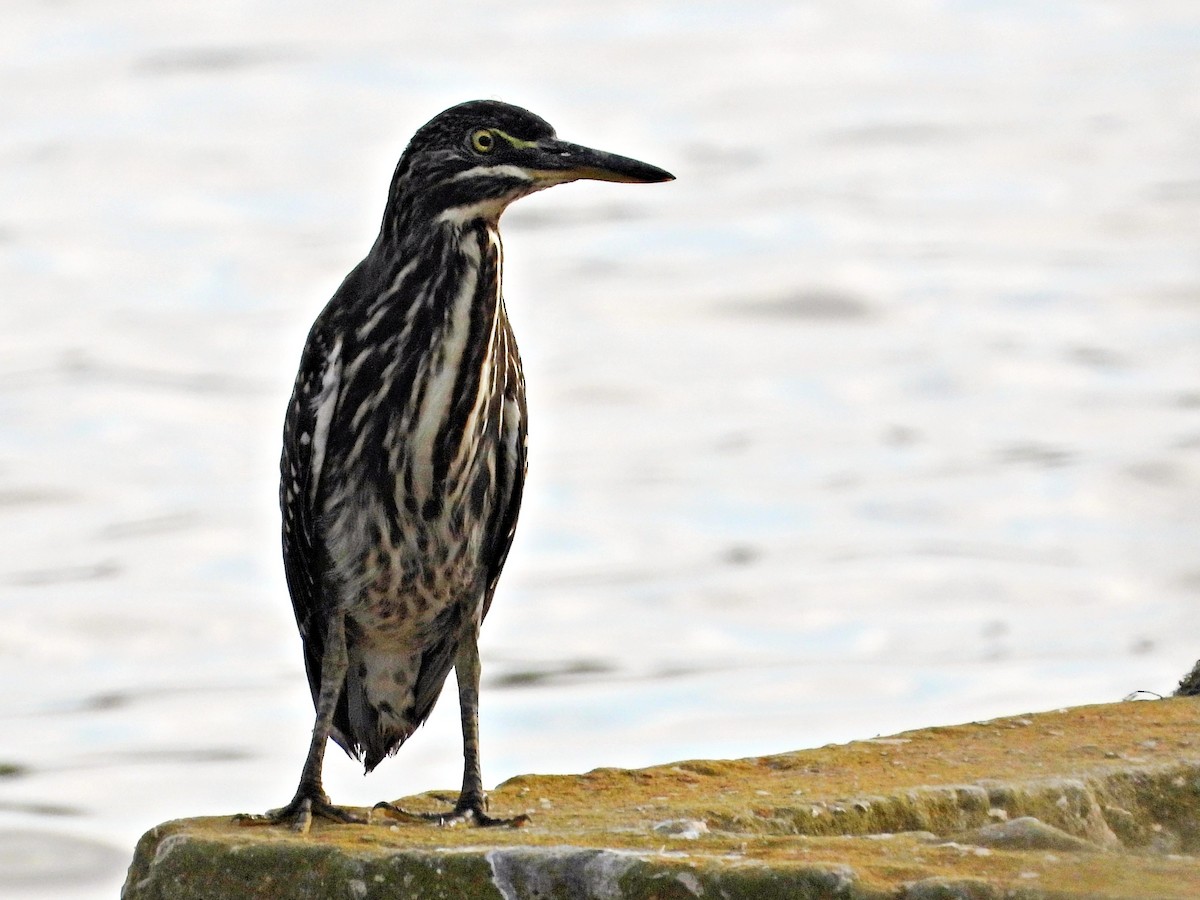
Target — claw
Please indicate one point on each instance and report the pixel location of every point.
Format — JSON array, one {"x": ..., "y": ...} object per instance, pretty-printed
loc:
[
  {"x": 462, "y": 814},
  {"x": 395, "y": 812},
  {"x": 298, "y": 814}
]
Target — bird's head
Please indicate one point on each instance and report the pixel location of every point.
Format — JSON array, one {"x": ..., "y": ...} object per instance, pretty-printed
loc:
[{"x": 472, "y": 160}]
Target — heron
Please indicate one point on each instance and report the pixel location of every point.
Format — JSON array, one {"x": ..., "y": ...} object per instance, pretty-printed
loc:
[{"x": 404, "y": 447}]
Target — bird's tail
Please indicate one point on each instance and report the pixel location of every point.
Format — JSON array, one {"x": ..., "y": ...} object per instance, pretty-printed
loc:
[{"x": 375, "y": 728}]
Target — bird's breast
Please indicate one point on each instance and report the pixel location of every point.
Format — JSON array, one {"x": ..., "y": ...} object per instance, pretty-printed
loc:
[
  {"x": 403, "y": 572},
  {"x": 407, "y": 530}
]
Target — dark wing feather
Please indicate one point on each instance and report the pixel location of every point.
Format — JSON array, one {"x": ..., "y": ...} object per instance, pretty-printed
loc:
[
  {"x": 306, "y": 452},
  {"x": 301, "y": 554},
  {"x": 301, "y": 493},
  {"x": 510, "y": 470}
]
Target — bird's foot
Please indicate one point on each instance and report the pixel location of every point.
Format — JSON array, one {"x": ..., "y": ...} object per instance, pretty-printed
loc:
[
  {"x": 469, "y": 812},
  {"x": 298, "y": 814}
]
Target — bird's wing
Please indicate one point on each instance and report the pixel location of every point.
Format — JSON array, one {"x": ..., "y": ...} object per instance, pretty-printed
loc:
[
  {"x": 510, "y": 464},
  {"x": 305, "y": 441}
]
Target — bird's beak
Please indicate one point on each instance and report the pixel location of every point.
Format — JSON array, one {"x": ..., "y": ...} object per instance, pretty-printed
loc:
[{"x": 555, "y": 161}]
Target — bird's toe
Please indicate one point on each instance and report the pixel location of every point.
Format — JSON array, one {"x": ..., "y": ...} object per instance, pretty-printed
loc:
[
  {"x": 298, "y": 815},
  {"x": 470, "y": 813}
]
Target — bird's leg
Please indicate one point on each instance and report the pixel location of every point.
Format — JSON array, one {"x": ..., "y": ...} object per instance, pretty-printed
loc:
[
  {"x": 472, "y": 801},
  {"x": 310, "y": 799}
]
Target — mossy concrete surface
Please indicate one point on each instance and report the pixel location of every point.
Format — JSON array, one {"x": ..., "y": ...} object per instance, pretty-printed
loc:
[{"x": 1096, "y": 801}]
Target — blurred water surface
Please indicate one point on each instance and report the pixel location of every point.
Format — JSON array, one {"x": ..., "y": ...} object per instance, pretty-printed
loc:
[{"x": 885, "y": 414}]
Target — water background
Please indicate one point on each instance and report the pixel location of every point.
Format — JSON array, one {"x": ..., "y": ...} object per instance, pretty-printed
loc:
[{"x": 885, "y": 414}]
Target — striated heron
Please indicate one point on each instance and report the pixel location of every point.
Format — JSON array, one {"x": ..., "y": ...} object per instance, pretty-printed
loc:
[{"x": 404, "y": 446}]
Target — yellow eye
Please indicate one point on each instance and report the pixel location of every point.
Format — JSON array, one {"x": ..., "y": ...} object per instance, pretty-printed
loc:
[{"x": 483, "y": 141}]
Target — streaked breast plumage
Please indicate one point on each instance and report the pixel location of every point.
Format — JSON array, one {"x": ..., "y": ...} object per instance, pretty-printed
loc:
[{"x": 428, "y": 448}]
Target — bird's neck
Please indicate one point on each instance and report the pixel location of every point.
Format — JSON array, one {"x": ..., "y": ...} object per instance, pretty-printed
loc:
[
  {"x": 412, "y": 214},
  {"x": 453, "y": 333}
]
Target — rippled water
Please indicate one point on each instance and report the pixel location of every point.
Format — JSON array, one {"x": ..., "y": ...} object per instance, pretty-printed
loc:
[{"x": 887, "y": 413}]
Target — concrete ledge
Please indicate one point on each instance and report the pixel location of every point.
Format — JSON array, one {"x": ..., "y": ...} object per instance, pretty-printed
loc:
[{"x": 1098, "y": 802}]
